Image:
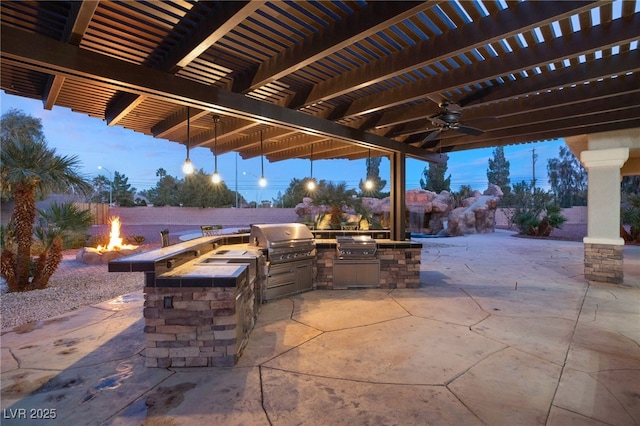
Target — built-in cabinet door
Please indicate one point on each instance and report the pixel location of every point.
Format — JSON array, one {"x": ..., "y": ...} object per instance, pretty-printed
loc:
[{"x": 304, "y": 276}]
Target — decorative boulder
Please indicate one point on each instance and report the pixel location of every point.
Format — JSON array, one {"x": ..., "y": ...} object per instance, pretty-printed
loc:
[{"x": 478, "y": 214}]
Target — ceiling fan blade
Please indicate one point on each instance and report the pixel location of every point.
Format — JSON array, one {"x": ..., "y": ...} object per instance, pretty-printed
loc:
[
  {"x": 431, "y": 136},
  {"x": 469, "y": 130}
]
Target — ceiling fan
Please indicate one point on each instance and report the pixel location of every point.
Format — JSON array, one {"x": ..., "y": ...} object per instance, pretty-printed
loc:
[{"x": 448, "y": 119}]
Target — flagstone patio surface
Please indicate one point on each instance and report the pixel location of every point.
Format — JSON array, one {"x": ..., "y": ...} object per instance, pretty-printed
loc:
[{"x": 504, "y": 331}]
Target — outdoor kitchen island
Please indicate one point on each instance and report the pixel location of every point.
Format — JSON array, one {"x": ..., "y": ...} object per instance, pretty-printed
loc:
[
  {"x": 201, "y": 300},
  {"x": 351, "y": 267},
  {"x": 202, "y": 296}
]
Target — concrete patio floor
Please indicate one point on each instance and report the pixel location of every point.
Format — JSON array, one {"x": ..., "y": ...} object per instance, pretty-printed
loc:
[{"x": 503, "y": 331}]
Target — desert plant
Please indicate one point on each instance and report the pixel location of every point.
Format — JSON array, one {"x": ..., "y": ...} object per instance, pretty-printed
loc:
[
  {"x": 28, "y": 168},
  {"x": 338, "y": 198},
  {"x": 137, "y": 239},
  {"x": 70, "y": 221},
  {"x": 539, "y": 223},
  {"x": 534, "y": 213}
]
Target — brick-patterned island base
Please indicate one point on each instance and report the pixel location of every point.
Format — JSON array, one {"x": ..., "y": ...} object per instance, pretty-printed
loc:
[
  {"x": 198, "y": 326},
  {"x": 399, "y": 264},
  {"x": 603, "y": 263}
]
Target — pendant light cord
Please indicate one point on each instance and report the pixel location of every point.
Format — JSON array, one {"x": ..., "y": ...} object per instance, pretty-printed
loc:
[
  {"x": 188, "y": 130},
  {"x": 215, "y": 142}
]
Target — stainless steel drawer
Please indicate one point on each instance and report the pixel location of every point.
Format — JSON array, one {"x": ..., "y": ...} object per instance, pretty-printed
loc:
[{"x": 356, "y": 273}]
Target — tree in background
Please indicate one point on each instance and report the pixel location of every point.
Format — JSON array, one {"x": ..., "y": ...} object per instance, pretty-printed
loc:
[
  {"x": 122, "y": 191},
  {"x": 434, "y": 178},
  {"x": 498, "y": 173},
  {"x": 198, "y": 191},
  {"x": 630, "y": 185},
  {"x": 101, "y": 186},
  {"x": 28, "y": 169},
  {"x": 568, "y": 179},
  {"x": 373, "y": 173},
  {"x": 166, "y": 192},
  {"x": 294, "y": 193}
]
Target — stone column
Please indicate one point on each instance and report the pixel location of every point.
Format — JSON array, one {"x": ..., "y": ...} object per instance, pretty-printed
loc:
[{"x": 603, "y": 244}]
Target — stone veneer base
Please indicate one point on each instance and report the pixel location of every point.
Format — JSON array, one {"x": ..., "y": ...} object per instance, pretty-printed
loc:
[
  {"x": 603, "y": 263},
  {"x": 399, "y": 267},
  {"x": 201, "y": 327}
]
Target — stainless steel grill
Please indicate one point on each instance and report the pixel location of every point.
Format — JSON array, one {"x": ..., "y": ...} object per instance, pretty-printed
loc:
[
  {"x": 356, "y": 247},
  {"x": 285, "y": 242},
  {"x": 356, "y": 264},
  {"x": 290, "y": 248}
]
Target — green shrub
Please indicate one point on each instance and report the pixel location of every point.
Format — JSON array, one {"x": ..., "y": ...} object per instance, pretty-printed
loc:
[{"x": 539, "y": 224}]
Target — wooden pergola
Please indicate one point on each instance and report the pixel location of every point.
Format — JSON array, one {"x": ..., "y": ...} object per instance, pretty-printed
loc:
[{"x": 340, "y": 79}]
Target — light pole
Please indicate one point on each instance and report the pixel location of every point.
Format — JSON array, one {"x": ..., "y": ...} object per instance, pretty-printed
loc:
[{"x": 110, "y": 184}]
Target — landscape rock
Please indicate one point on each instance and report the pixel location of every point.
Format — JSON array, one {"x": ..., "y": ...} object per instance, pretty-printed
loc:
[{"x": 478, "y": 214}]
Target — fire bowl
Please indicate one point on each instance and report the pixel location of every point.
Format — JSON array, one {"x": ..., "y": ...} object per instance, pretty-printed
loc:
[{"x": 92, "y": 256}]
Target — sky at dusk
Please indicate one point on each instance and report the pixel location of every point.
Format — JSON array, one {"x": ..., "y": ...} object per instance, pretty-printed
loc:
[{"x": 139, "y": 156}]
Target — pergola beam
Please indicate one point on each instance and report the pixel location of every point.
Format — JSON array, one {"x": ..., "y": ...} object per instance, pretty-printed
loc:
[
  {"x": 505, "y": 23},
  {"x": 70, "y": 61},
  {"x": 82, "y": 14},
  {"x": 222, "y": 19},
  {"x": 575, "y": 126},
  {"x": 373, "y": 18},
  {"x": 604, "y": 68},
  {"x": 614, "y": 33}
]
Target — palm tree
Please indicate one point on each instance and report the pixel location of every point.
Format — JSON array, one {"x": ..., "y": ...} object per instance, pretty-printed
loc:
[
  {"x": 29, "y": 168},
  {"x": 338, "y": 198}
]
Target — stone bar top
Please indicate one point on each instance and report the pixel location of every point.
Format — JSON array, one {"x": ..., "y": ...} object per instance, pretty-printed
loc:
[
  {"x": 146, "y": 261},
  {"x": 381, "y": 244},
  {"x": 203, "y": 275}
]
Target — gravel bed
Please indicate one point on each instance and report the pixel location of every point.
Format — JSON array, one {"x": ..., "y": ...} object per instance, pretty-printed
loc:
[{"x": 64, "y": 294}]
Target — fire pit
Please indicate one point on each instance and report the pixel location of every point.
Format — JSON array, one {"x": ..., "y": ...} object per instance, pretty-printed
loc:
[{"x": 114, "y": 250}]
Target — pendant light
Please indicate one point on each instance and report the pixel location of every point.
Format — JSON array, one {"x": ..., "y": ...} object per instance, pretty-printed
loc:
[
  {"x": 215, "y": 177},
  {"x": 368, "y": 184},
  {"x": 263, "y": 181},
  {"x": 187, "y": 167},
  {"x": 311, "y": 183}
]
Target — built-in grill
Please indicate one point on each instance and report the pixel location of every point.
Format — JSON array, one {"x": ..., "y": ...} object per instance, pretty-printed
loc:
[
  {"x": 356, "y": 264},
  {"x": 290, "y": 249},
  {"x": 356, "y": 247}
]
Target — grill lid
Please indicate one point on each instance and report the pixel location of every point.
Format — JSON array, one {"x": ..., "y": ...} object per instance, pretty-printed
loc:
[
  {"x": 356, "y": 241},
  {"x": 280, "y": 234},
  {"x": 356, "y": 246}
]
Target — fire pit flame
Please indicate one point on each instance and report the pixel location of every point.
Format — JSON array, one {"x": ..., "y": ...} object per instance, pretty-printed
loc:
[
  {"x": 104, "y": 254},
  {"x": 115, "y": 241}
]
